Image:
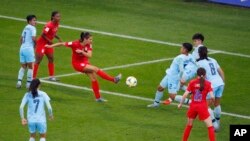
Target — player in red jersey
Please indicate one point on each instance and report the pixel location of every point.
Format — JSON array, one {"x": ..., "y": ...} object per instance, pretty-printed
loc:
[
  {"x": 81, "y": 52},
  {"x": 48, "y": 34},
  {"x": 199, "y": 88}
]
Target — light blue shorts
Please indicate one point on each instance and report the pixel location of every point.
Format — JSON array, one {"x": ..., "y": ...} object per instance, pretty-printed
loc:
[
  {"x": 40, "y": 127},
  {"x": 218, "y": 91},
  {"x": 189, "y": 74},
  {"x": 27, "y": 55},
  {"x": 172, "y": 83}
]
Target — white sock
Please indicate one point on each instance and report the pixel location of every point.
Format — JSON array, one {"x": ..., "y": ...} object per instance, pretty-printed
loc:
[
  {"x": 42, "y": 139},
  {"x": 217, "y": 112},
  {"x": 158, "y": 96},
  {"x": 29, "y": 75},
  {"x": 21, "y": 74},
  {"x": 215, "y": 124},
  {"x": 32, "y": 139},
  {"x": 178, "y": 98}
]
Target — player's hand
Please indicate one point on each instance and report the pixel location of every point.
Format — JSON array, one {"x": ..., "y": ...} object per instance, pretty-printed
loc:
[
  {"x": 24, "y": 121},
  {"x": 79, "y": 51},
  {"x": 179, "y": 106},
  {"x": 51, "y": 117}
]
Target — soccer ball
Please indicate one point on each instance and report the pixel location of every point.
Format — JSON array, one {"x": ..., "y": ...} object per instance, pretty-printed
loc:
[{"x": 131, "y": 81}]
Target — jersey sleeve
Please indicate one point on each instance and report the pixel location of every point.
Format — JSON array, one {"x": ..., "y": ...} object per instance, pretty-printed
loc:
[
  {"x": 69, "y": 44},
  {"x": 209, "y": 85},
  {"x": 47, "y": 102},
  {"x": 23, "y": 103},
  {"x": 33, "y": 31},
  {"x": 216, "y": 64},
  {"x": 46, "y": 29},
  {"x": 189, "y": 88}
]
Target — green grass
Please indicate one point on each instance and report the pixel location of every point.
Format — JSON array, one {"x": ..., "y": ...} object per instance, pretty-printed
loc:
[{"x": 77, "y": 115}]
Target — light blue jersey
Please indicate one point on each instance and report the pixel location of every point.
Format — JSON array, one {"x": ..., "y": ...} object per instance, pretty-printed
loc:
[
  {"x": 36, "y": 111},
  {"x": 211, "y": 66},
  {"x": 28, "y": 32},
  {"x": 195, "y": 53}
]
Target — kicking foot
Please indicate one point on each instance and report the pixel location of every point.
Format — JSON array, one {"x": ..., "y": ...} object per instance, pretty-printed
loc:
[
  {"x": 153, "y": 105},
  {"x": 101, "y": 100},
  {"x": 166, "y": 102},
  {"x": 118, "y": 78},
  {"x": 18, "y": 85}
]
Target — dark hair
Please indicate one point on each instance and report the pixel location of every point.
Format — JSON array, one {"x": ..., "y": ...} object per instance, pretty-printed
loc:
[
  {"x": 53, "y": 14},
  {"x": 202, "y": 53},
  {"x": 198, "y": 36},
  {"x": 84, "y": 35},
  {"x": 30, "y": 17},
  {"x": 187, "y": 46},
  {"x": 33, "y": 87},
  {"x": 201, "y": 72}
]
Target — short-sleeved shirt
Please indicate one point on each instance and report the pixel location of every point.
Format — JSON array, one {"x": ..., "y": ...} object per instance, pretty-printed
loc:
[
  {"x": 36, "y": 110},
  {"x": 28, "y": 32},
  {"x": 211, "y": 66},
  {"x": 50, "y": 30},
  {"x": 78, "y": 58},
  {"x": 197, "y": 95}
]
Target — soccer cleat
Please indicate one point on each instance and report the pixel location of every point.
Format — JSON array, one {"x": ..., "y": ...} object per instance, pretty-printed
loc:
[
  {"x": 154, "y": 105},
  {"x": 166, "y": 102},
  {"x": 118, "y": 78},
  {"x": 101, "y": 100},
  {"x": 53, "y": 79},
  {"x": 19, "y": 84}
]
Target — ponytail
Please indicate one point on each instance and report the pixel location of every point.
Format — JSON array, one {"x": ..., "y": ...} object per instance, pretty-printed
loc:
[
  {"x": 84, "y": 35},
  {"x": 201, "y": 72},
  {"x": 203, "y": 53},
  {"x": 34, "y": 86}
]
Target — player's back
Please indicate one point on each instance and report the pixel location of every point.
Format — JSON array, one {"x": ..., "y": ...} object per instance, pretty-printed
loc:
[
  {"x": 28, "y": 32},
  {"x": 36, "y": 106},
  {"x": 211, "y": 66}
]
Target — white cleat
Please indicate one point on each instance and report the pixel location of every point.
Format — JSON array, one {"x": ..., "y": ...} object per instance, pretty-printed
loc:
[
  {"x": 118, "y": 78},
  {"x": 19, "y": 85},
  {"x": 153, "y": 105},
  {"x": 53, "y": 79}
]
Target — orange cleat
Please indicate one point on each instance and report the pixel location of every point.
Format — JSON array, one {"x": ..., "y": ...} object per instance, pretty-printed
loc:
[{"x": 166, "y": 102}]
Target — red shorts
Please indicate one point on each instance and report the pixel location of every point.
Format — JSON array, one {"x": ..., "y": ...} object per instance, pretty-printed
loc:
[
  {"x": 41, "y": 49},
  {"x": 79, "y": 66},
  {"x": 198, "y": 109}
]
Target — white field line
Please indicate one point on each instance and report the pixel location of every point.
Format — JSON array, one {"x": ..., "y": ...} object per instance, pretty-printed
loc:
[
  {"x": 125, "y": 36},
  {"x": 125, "y": 66},
  {"x": 130, "y": 96}
]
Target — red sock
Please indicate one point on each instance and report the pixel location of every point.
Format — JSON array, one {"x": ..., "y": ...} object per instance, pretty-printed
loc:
[
  {"x": 35, "y": 70},
  {"x": 95, "y": 87},
  {"x": 186, "y": 132},
  {"x": 104, "y": 75},
  {"x": 211, "y": 133},
  {"x": 51, "y": 69}
]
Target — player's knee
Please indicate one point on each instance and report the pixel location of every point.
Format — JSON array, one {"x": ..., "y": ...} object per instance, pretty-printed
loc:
[
  {"x": 95, "y": 69},
  {"x": 160, "y": 88}
]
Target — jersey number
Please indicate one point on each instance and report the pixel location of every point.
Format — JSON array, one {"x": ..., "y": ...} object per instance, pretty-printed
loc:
[
  {"x": 24, "y": 34},
  {"x": 198, "y": 96},
  {"x": 36, "y": 101},
  {"x": 212, "y": 68}
]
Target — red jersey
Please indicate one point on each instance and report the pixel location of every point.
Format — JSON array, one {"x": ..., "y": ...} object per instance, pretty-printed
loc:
[
  {"x": 78, "y": 57},
  {"x": 49, "y": 31},
  {"x": 197, "y": 95}
]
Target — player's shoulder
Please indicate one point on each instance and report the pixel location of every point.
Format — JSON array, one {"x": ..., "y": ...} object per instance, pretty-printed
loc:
[
  {"x": 41, "y": 92},
  {"x": 49, "y": 24}
]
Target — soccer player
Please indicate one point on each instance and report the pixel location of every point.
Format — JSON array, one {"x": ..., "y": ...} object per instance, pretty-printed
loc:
[
  {"x": 48, "y": 34},
  {"x": 81, "y": 52},
  {"x": 27, "y": 57},
  {"x": 173, "y": 76},
  {"x": 191, "y": 68},
  {"x": 36, "y": 99},
  {"x": 216, "y": 76},
  {"x": 199, "y": 88}
]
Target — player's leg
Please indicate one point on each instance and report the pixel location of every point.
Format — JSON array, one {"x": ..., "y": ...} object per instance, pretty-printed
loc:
[
  {"x": 30, "y": 62},
  {"x": 173, "y": 87},
  {"x": 210, "y": 128},
  {"x": 95, "y": 87},
  {"x": 217, "y": 107},
  {"x": 102, "y": 74},
  {"x": 211, "y": 113},
  {"x": 39, "y": 58},
  {"x": 188, "y": 129},
  {"x": 159, "y": 92},
  {"x": 42, "y": 129},
  {"x": 32, "y": 137},
  {"x": 22, "y": 68},
  {"x": 32, "y": 130},
  {"x": 51, "y": 66}
]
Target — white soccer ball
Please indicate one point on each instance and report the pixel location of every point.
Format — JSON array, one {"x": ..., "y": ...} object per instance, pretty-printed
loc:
[{"x": 131, "y": 81}]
